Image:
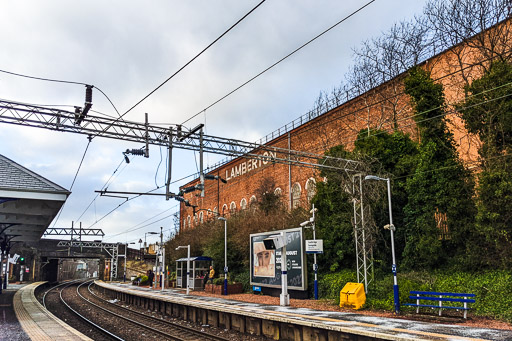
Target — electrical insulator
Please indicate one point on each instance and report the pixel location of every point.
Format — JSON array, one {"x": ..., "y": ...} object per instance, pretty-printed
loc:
[
  {"x": 88, "y": 94},
  {"x": 139, "y": 152}
]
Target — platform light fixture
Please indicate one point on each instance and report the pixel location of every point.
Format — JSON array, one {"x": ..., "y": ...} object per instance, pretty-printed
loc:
[{"x": 391, "y": 228}]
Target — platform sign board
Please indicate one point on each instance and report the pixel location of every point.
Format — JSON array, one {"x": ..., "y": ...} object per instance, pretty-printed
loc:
[
  {"x": 266, "y": 264},
  {"x": 315, "y": 246}
]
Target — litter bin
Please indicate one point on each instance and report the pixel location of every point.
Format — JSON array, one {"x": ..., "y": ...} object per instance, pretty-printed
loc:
[{"x": 352, "y": 295}]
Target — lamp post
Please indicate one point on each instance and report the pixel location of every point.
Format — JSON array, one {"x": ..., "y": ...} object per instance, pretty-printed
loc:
[
  {"x": 145, "y": 244},
  {"x": 225, "y": 254},
  {"x": 391, "y": 229},
  {"x": 159, "y": 253},
  {"x": 305, "y": 224},
  {"x": 188, "y": 262}
]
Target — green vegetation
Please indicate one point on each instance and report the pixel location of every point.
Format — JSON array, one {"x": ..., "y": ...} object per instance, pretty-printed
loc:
[
  {"x": 487, "y": 112},
  {"x": 492, "y": 289},
  {"x": 440, "y": 210},
  {"x": 450, "y": 235}
]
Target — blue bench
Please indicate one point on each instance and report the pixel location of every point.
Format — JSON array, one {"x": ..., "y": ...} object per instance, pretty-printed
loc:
[{"x": 440, "y": 297}]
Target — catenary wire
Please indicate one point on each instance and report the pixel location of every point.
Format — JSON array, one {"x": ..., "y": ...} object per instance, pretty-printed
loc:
[
  {"x": 279, "y": 61},
  {"x": 190, "y": 61},
  {"x": 61, "y": 81},
  {"x": 104, "y": 186},
  {"x": 134, "y": 197},
  {"x": 72, "y": 184},
  {"x": 236, "y": 181},
  {"x": 385, "y": 99}
]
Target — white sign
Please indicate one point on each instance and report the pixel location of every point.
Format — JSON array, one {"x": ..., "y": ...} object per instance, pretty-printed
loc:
[
  {"x": 249, "y": 165},
  {"x": 14, "y": 259},
  {"x": 315, "y": 246}
]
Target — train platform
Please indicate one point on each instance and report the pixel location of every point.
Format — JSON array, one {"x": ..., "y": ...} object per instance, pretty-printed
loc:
[
  {"x": 311, "y": 324},
  {"x": 34, "y": 322}
]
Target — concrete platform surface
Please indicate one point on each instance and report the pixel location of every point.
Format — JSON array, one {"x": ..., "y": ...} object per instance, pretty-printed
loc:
[
  {"x": 37, "y": 322},
  {"x": 10, "y": 328},
  {"x": 371, "y": 326}
]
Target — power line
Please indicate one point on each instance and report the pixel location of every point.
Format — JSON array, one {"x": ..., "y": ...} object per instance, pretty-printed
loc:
[
  {"x": 190, "y": 61},
  {"x": 105, "y": 185},
  {"x": 279, "y": 61},
  {"x": 385, "y": 99},
  {"x": 76, "y": 174},
  {"x": 134, "y": 197},
  {"x": 61, "y": 81}
]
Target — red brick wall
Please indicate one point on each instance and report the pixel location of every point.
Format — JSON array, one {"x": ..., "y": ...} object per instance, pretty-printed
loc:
[{"x": 384, "y": 107}]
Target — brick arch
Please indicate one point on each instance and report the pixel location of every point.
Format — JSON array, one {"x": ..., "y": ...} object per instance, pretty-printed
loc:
[
  {"x": 296, "y": 193},
  {"x": 243, "y": 204},
  {"x": 310, "y": 188}
]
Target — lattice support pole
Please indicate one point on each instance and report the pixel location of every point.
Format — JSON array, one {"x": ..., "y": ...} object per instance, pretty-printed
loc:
[
  {"x": 113, "y": 265},
  {"x": 362, "y": 233}
]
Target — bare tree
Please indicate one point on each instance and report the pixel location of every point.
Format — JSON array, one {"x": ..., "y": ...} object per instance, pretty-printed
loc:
[{"x": 473, "y": 32}]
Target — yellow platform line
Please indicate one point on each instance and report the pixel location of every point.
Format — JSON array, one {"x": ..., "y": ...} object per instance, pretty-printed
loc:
[{"x": 37, "y": 322}]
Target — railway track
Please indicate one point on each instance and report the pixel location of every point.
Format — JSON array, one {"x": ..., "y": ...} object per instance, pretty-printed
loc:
[
  {"x": 53, "y": 301},
  {"x": 100, "y": 319},
  {"x": 167, "y": 330}
]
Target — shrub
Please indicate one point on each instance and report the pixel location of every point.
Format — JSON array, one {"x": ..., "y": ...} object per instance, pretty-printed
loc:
[
  {"x": 244, "y": 278},
  {"x": 218, "y": 281},
  {"x": 330, "y": 285},
  {"x": 144, "y": 280}
]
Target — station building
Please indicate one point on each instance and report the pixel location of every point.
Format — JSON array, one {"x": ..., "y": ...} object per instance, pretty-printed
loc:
[{"x": 385, "y": 107}]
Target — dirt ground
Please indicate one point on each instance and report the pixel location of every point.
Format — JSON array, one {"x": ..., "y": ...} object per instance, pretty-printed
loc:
[{"x": 471, "y": 321}]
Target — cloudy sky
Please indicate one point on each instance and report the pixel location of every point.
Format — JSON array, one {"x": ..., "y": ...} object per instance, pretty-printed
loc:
[{"x": 127, "y": 48}]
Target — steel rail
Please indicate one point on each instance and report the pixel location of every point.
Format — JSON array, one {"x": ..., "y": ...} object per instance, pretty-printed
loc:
[
  {"x": 54, "y": 287},
  {"x": 103, "y": 330},
  {"x": 169, "y": 323},
  {"x": 150, "y": 329}
]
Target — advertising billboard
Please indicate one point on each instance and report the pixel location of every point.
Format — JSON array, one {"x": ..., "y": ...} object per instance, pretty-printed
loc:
[{"x": 266, "y": 264}]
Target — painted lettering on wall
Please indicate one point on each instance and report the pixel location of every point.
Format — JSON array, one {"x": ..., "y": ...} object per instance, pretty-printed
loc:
[{"x": 247, "y": 166}]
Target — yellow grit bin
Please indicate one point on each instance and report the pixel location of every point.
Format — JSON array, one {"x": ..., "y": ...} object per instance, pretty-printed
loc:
[{"x": 352, "y": 295}]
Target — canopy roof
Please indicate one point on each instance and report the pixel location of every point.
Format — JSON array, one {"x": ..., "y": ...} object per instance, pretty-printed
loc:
[
  {"x": 28, "y": 202},
  {"x": 192, "y": 259}
]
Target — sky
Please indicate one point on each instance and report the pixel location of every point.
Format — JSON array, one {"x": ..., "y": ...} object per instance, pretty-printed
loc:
[{"x": 128, "y": 48}]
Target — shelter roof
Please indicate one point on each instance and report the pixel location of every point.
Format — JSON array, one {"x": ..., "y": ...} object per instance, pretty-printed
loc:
[
  {"x": 192, "y": 259},
  {"x": 28, "y": 202}
]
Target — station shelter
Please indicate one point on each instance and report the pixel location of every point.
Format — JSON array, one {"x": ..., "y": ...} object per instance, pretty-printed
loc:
[{"x": 199, "y": 267}]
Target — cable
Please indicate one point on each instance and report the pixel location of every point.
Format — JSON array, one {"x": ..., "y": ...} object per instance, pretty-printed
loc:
[
  {"x": 80, "y": 165},
  {"x": 279, "y": 61},
  {"x": 140, "y": 227},
  {"x": 190, "y": 61},
  {"x": 60, "y": 81},
  {"x": 385, "y": 99},
  {"x": 157, "y": 168},
  {"x": 76, "y": 174},
  {"x": 69, "y": 106},
  {"x": 136, "y": 196},
  {"x": 104, "y": 186}
]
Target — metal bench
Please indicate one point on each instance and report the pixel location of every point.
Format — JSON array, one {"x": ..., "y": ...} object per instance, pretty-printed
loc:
[{"x": 440, "y": 297}]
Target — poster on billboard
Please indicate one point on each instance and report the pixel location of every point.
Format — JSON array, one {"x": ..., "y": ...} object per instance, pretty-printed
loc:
[{"x": 266, "y": 264}]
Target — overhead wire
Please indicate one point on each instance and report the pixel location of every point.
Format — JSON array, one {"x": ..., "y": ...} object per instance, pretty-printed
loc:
[
  {"x": 61, "y": 81},
  {"x": 280, "y": 60},
  {"x": 384, "y": 100},
  {"x": 137, "y": 196},
  {"x": 73, "y": 183},
  {"x": 141, "y": 227},
  {"x": 194, "y": 58},
  {"x": 158, "y": 167},
  {"x": 236, "y": 181},
  {"x": 103, "y": 187}
]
